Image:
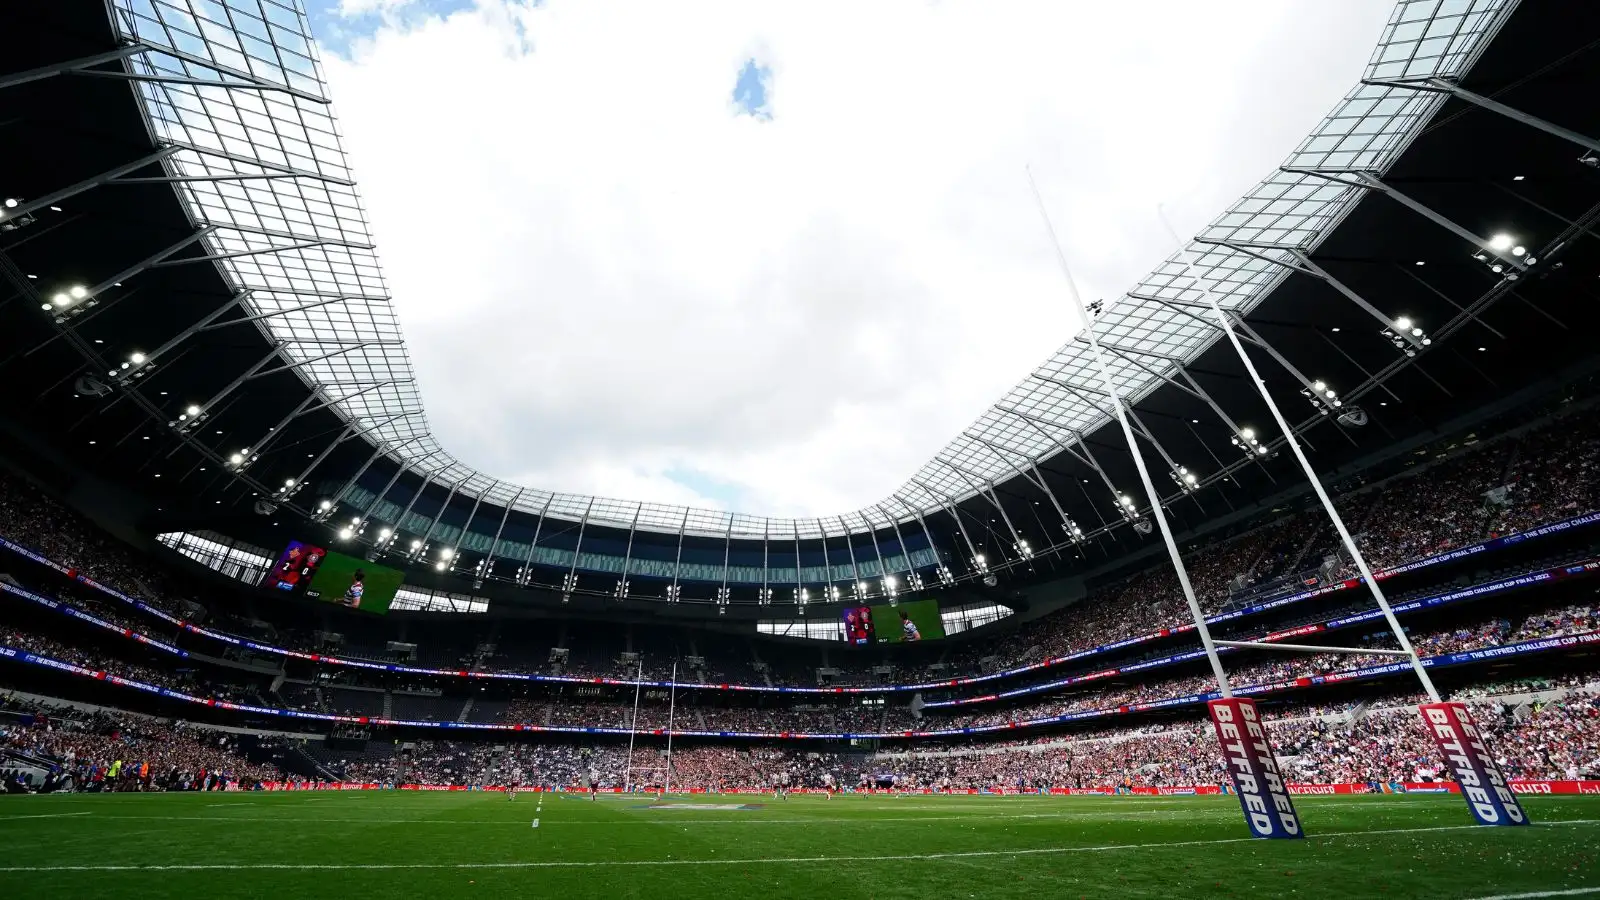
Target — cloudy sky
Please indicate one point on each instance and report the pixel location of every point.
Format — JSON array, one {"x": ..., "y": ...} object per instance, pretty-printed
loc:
[{"x": 770, "y": 256}]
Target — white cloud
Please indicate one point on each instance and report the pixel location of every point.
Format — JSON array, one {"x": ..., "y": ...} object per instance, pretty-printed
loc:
[{"x": 607, "y": 277}]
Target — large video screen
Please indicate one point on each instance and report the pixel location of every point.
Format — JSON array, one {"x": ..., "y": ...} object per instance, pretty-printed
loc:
[
  {"x": 334, "y": 578},
  {"x": 916, "y": 620}
]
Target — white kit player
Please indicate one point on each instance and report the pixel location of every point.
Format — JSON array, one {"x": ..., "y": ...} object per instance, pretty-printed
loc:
[
  {"x": 908, "y": 628},
  {"x": 827, "y": 782}
]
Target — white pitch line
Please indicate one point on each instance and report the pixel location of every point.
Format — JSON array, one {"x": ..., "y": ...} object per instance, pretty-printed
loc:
[
  {"x": 1538, "y": 894},
  {"x": 736, "y": 820},
  {"x": 776, "y": 860},
  {"x": 44, "y": 816}
]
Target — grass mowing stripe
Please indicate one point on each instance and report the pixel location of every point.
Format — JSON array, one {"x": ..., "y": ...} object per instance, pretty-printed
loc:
[
  {"x": 777, "y": 860},
  {"x": 45, "y": 816}
]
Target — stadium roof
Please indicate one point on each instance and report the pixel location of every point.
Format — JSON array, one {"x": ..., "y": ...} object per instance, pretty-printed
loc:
[{"x": 235, "y": 118}]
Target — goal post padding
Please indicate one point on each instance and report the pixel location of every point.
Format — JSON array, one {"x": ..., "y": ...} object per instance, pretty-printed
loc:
[
  {"x": 1483, "y": 786},
  {"x": 1247, "y": 753}
]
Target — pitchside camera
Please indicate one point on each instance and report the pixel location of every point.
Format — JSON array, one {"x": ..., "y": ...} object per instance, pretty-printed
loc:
[{"x": 1353, "y": 417}]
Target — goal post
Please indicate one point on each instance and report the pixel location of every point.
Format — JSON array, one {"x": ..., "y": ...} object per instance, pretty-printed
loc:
[
  {"x": 1449, "y": 724},
  {"x": 1248, "y": 756}
]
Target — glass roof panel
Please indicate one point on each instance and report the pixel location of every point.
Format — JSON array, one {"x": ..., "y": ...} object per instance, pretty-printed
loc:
[{"x": 292, "y": 237}]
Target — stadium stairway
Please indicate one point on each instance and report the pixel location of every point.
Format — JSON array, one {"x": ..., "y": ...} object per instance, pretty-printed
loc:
[
  {"x": 466, "y": 709},
  {"x": 388, "y": 704},
  {"x": 297, "y": 757}
]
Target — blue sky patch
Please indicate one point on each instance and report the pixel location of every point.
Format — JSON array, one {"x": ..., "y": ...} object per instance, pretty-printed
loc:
[
  {"x": 750, "y": 90},
  {"x": 335, "y": 31},
  {"x": 725, "y": 495}
]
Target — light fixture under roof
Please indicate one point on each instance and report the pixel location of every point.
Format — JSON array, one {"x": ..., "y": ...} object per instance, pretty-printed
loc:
[
  {"x": 1501, "y": 242},
  {"x": 1518, "y": 177}
]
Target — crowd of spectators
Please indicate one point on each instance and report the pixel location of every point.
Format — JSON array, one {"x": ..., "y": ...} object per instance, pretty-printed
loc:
[
  {"x": 590, "y": 706},
  {"x": 1555, "y": 738},
  {"x": 106, "y": 751},
  {"x": 1465, "y": 492}
]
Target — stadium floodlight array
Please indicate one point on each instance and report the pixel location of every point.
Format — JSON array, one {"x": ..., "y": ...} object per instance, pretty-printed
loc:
[
  {"x": 1450, "y": 724},
  {"x": 1268, "y": 810}
]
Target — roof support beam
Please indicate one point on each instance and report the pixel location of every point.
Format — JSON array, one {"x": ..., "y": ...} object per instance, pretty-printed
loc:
[
  {"x": 262, "y": 289},
  {"x": 494, "y": 546},
  {"x": 949, "y": 507},
  {"x": 727, "y": 558},
  {"x": 766, "y": 561},
  {"x": 259, "y": 317},
  {"x": 1302, "y": 263},
  {"x": 471, "y": 514},
  {"x": 254, "y": 85},
  {"x": 295, "y": 365},
  {"x": 249, "y": 80},
  {"x": 1086, "y": 457},
  {"x": 350, "y": 431},
  {"x": 148, "y": 262},
  {"x": 192, "y": 179},
  {"x": 28, "y": 207},
  {"x": 1037, "y": 479},
  {"x": 900, "y": 538},
  {"x": 1133, "y": 414},
  {"x": 213, "y": 257},
  {"x": 858, "y": 586},
  {"x": 525, "y": 574},
  {"x": 291, "y": 236},
  {"x": 627, "y": 553},
  {"x": 1441, "y": 86},
  {"x": 261, "y": 363},
  {"x": 1017, "y": 542},
  {"x": 1187, "y": 383},
  {"x": 271, "y": 167},
  {"x": 301, "y": 409},
  {"x": 677, "y": 561},
  {"x": 433, "y": 525},
  {"x": 71, "y": 65},
  {"x": 799, "y": 586},
  {"x": 400, "y": 520},
  {"x": 202, "y": 325},
  {"x": 827, "y": 564},
  {"x": 926, "y": 531},
  {"x": 377, "y": 498},
  {"x": 377, "y": 451},
  {"x": 1373, "y": 182},
  {"x": 883, "y": 569},
  {"x": 577, "y": 549}
]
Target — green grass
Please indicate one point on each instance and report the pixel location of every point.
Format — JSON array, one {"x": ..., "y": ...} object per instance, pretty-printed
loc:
[{"x": 393, "y": 845}]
